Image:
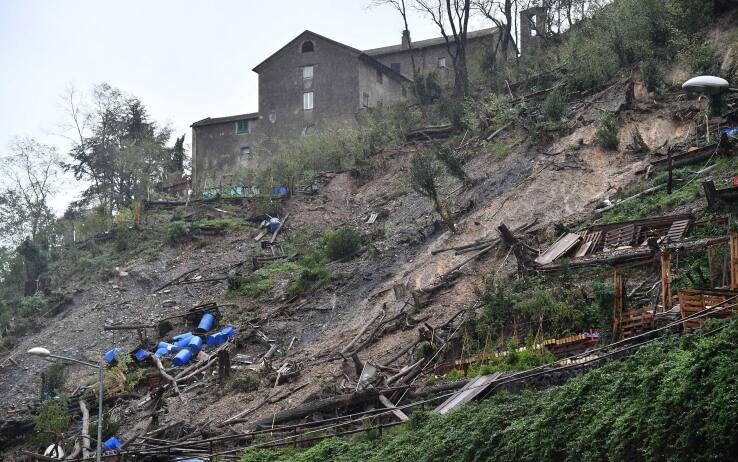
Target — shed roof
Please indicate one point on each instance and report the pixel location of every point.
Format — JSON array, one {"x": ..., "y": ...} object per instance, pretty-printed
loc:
[{"x": 222, "y": 120}]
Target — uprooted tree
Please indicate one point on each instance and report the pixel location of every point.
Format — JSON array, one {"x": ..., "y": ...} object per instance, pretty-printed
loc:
[{"x": 423, "y": 173}]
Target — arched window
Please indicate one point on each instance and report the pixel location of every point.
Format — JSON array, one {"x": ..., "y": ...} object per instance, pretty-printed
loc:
[{"x": 307, "y": 47}]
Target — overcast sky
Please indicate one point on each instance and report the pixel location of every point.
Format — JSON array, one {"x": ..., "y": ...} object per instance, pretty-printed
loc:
[{"x": 185, "y": 59}]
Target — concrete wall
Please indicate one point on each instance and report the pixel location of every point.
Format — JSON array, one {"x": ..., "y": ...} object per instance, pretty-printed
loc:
[
  {"x": 386, "y": 92},
  {"x": 281, "y": 86},
  {"x": 216, "y": 153}
]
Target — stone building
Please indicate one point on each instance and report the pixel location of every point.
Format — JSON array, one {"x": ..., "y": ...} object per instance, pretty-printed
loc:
[{"x": 309, "y": 85}]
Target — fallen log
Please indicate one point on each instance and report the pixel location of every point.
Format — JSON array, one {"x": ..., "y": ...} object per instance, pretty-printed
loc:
[
  {"x": 645, "y": 192},
  {"x": 164, "y": 374},
  {"x": 85, "y": 429},
  {"x": 279, "y": 228},
  {"x": 328, "y": 404}
]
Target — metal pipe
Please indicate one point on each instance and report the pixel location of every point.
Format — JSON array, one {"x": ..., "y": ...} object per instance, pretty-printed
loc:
[{"x": 101, "y": 390}]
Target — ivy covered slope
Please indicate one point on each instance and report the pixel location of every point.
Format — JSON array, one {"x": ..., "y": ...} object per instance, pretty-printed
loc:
[{"x": 676, "y": 399}]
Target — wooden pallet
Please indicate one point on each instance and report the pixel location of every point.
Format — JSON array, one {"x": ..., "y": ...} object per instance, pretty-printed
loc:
[
  {"x": 634, "y": 322},
  {"x": 620, "y": 237},
  {"x": 694, "y": 301}
]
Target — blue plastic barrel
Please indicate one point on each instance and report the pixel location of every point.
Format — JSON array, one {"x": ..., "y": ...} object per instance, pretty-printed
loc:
[
  {"x": 110, "y": 355},
  {"x": 139, "y": 354},
  {"x": 206, "y": 323},
  {"x": 164, "y": 348},
  {"x": 195, "y": 344},
  {"x": 220, "y": 337},
  {"x": 111, "y": 443},
  {"x": 182, "y": 357},
  {"x": 182, "y": 340}
]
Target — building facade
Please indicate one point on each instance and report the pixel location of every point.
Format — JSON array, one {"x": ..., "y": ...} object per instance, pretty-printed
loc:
[{"x": 313, "y": 84}]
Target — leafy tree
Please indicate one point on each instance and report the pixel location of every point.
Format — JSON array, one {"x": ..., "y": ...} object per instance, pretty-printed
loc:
[
  {"x": 53, "y": 419},
  {"x": 423, "y": 173},
  {"x": 117, "y": 147}
]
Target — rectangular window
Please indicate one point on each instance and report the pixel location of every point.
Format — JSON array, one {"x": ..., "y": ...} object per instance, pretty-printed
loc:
[
  {"x": 396, "y": 67},
  {"x": 307, "y": 100},
  {"x": 380, "y": 77},
  {"x": 533, "y": 26},
  {"x": 365, "y": 99},
  {"x": 242, "y": 126},
  {"x": 246, "y": 151},
  {"x": 442, "y": 63},
  {"x": 307, "y": 72}
]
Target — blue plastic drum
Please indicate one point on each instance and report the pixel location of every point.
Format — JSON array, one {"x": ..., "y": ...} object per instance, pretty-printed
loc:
[{"x": 206, "y": 323}]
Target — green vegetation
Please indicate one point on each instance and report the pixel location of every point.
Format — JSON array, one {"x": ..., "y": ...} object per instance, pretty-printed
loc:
[
  {"x": 554, "y": 106},
  {"x": 243, "y": 382},
  {"x": 424, "y": 171},
  {"x": 177, "y": 232},
  {"x": 673, "y": 400},
  {"x": 53, "y": 419},
  {"x": 607, "y": 131},
  {"x": 536, "y": 308},
  {"x": 341, "y": 243},
  {"x": 223, "y": 223}
]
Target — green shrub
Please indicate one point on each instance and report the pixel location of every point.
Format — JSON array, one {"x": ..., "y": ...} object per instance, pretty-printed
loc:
[
  {"x": 313, "y": 273},
  {"x": 652, "y": 76},
  {"x": 263, "y": 279},
  {"x": 177, "y": 232},
  {"x": 53, "y": 419},
  {"x": 453, "y": 162},
  {"x": 342, "y": 243},
  {"x": 243, "y": 382},
  {"x": 554, "y": 106},
  {"x": 608, "y": 131}
]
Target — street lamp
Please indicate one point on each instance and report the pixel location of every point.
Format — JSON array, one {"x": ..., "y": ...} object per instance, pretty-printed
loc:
[{"x": 46, "y": 354}]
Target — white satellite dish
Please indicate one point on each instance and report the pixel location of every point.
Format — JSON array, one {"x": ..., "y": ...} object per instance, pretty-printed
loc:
[{"x": 706, "y": 84}]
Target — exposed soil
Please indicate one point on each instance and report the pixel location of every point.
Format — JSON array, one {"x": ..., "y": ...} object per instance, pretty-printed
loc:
[{"x": 549, "y": 183}]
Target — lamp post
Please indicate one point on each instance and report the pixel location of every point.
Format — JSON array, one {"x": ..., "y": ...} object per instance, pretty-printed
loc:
[
  {"x": 46, "y": 354},
  {"x": 713, "y": 86}
]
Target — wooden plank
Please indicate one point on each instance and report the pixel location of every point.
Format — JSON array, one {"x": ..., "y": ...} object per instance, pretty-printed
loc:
[
  {"x": 260, "y": 235},
  {"x": 279, "y": 228},
  {"x": 677, "y": 230},
  {"x": 388, "y": 404},
  {"x": 468, "y": 392},
  {"x": 583, "y": 249},
  {"x": 733, "y": 244},
  {"x": 558, "y": 249},
  {"x": 372, "y": 218},
  {"x": 666, "y": 281},
  {"x": 619, "y": 237}
]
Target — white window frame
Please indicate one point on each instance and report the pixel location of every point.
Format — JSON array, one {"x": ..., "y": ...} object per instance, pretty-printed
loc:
[
  {"x": 305, "y": 72},
  {"x": 442, "y": 63},
  {"x": 307, "y": 100}
]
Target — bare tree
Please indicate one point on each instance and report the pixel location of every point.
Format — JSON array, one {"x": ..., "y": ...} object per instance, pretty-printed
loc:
[
  {"x": 31, "y": 175},
  {"x": 453, "y": 14},
  {"x": 400, "y": 7},
  {"x": 502, "y": 13}
]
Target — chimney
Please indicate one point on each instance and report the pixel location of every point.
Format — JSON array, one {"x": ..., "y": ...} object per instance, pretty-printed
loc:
[{"x": 406, "y": 39}]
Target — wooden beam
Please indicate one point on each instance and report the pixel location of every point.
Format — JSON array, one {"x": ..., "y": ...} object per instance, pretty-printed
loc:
[
  {"x": 666, "y": 280},
  {"x": 388, "y": 404},
  {"x": 733, "y": 244},
  {"x": 619, "y": 283}
]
